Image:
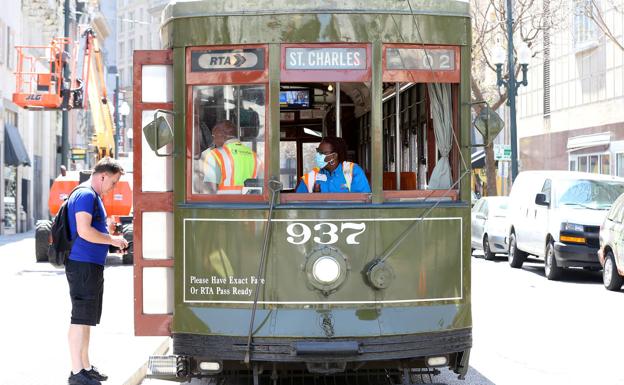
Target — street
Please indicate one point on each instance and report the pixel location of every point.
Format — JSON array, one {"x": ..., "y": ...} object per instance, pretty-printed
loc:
[{"x": 527, "y": 330}]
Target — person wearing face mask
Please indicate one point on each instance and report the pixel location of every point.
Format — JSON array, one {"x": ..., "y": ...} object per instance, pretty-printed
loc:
[{"x": 333, "y": 173}]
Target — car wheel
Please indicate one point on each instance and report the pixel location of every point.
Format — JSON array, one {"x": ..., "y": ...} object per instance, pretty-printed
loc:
[
  {"x": 515, "y": 257},
  {"x": 489, "y": 255},
  {"x": 551, "y": 270},
  {"x": 128, "y": 234},
  {"x": 610, "y": 277},
  {"x": 42, "y": 234}
]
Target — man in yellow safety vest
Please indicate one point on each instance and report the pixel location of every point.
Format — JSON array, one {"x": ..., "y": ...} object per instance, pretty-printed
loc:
[{"x": 230, "y": 163}]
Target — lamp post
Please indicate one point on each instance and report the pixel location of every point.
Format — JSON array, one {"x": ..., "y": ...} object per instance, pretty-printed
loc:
[{"x": 524, "y": 55}]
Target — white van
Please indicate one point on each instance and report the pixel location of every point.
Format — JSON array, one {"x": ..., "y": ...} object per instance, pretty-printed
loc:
[{"x": 556, "y": 215}]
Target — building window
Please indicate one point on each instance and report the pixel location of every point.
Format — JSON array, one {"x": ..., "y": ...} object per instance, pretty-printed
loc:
[
  {"x": 594, "y": 163},
  {"x": 131, "y": 21},
  {"x": 619, "y": 161},
  {"x": 122, "y": 47},
  {"x": 130, "y": 48},
  {"x": 585, "y": 31}
]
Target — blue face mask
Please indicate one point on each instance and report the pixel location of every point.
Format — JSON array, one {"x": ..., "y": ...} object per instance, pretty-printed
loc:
[{"x": 320, "y": 160}]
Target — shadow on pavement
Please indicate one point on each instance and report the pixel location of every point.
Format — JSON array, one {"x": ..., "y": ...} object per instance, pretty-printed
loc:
[{"x": 572, "y": 275}]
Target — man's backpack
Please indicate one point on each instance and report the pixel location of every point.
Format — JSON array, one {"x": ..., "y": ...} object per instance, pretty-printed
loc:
[{"x": 62, "y": 241}]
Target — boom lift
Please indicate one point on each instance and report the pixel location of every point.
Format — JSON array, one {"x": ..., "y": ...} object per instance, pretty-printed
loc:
[{"x": 43, "y": 84}]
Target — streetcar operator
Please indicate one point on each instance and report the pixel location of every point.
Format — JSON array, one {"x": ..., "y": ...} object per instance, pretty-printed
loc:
[
  {"x": 333, "y": 173},
  {"x": 230, "y": 163}
]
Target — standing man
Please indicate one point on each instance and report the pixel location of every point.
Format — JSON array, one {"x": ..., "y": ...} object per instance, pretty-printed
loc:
[
  {"x": 85, "y": 266},
  {"x": 230, "y": 163}
]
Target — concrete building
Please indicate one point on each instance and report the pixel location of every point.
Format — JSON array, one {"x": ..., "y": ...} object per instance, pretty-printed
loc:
[
  {"x": 571, "y": 115},
  {"x": 138, "y": 28}
]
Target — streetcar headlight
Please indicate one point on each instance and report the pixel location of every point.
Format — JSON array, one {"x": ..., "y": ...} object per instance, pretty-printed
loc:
[{"x": 326, "y": 270}]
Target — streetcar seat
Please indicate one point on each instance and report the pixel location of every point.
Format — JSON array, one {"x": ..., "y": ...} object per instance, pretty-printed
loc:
[{"x": 408, "y": 181}]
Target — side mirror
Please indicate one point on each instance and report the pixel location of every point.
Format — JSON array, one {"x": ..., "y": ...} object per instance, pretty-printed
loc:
[
  {"x": 540, "y": 199},
  {"x": 158, "y": 133}
]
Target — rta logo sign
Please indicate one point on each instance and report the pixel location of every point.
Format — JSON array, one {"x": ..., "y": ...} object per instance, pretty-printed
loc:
[
  {"x": 33, "y": 97},
  {"x": 227, "y": 60}
]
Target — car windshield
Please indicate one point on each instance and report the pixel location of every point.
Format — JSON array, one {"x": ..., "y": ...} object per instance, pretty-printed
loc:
[{"x": 592, "y": 194}]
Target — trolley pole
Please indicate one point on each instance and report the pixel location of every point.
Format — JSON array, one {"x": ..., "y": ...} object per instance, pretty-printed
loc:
[
  {"x": 116, "y": 110},
  {"x": 65, "y": 114}
]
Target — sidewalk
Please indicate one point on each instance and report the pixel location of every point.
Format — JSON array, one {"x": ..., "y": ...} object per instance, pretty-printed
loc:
[{"x": 35, "y": 318}]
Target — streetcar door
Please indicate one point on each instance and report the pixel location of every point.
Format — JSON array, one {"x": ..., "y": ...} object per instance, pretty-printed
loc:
[{"x": 153, "y": 196}]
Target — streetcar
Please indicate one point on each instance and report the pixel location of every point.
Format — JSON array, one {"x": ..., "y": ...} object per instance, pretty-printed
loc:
[{"x": 268, "y": 284}]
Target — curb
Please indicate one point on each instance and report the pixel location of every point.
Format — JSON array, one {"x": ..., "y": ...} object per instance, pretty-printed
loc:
[{"x": 139, "y": 375}]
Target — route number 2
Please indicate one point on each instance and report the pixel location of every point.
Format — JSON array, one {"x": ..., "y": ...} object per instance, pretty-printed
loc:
[{"x": 325, "y": 233}]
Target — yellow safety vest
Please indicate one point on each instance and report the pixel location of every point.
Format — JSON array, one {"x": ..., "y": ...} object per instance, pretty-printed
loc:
[{"x": 237, "y": 163}]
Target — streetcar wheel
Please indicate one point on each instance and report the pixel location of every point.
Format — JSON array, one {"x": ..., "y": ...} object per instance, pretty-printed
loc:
[
  {"x": 551, "y": 270},
  {"x": 610, "y": 277},
  {"x": 489, "y": 255},
  {"x": 42, "y": 236},
  {"x": 515, "y": 257},
  {"x": 128, "y": 234}
]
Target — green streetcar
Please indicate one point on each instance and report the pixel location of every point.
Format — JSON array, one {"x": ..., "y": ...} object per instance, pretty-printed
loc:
[{"x": 255, "y": 280}]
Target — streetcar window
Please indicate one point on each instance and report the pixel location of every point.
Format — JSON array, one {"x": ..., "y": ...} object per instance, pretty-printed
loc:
[
  {"x": 419, "y": 154},
  {"x": 228, "y": 139}
]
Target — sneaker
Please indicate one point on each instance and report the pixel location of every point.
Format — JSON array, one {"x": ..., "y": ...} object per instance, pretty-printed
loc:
[
  {"x": 96, "y": 374},
  {"x": 82, "y": 378}
]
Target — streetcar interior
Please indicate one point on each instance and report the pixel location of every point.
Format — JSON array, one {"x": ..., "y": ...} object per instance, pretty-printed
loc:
[{"x": 309, "y": 111}]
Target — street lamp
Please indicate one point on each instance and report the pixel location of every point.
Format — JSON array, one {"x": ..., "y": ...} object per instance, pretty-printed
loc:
[{"x": 498, "y": 57}]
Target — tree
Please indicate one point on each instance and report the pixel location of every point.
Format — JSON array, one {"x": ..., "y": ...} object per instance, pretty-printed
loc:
[
  {"x": 592, "y": 10},
  {"x": 532, "y": 23}
]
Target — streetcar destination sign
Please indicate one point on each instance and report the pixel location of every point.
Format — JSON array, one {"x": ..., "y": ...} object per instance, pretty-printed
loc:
[
  {"x": 227, "y": 60},
  {"x": 325, "y": 58},
  {"x": 438, "y": 59}
]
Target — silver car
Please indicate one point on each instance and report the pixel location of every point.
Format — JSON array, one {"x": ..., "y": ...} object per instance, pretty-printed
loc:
[
  {"x": 611, "y": 252},
  {"x": 489, "y": 226}
]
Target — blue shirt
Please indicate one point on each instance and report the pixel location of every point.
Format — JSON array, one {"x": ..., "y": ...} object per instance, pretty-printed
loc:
[
  {"x": 83, "y": 250},
  {"x": 336, "y": 182}
]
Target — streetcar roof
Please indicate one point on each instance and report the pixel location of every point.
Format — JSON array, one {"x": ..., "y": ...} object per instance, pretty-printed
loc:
[{"x": 204, "y": 8}]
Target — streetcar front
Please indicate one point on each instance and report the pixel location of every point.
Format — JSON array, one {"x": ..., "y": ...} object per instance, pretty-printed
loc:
[{"x": 257, "y": 270}]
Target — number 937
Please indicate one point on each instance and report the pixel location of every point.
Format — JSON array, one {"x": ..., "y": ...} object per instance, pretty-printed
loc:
[{"x": 325, "y": 233}]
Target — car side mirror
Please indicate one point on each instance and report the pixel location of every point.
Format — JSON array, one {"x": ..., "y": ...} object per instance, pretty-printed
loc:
[{"x": 540, "y": 199}]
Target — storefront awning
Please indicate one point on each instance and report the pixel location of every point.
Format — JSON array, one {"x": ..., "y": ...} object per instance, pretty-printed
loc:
[
  {"x": 15, "y": 153},
  {"x": 586, "y": 141}
]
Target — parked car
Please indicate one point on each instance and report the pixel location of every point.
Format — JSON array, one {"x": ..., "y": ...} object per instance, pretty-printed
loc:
[
  {"x": 489, "y": 226},
  {"x": 611, "y": 253},
  {"x": 556, "y": 215}
]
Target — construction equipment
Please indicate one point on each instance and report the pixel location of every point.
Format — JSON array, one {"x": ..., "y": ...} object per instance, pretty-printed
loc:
[{"x": 42, "y": 83}]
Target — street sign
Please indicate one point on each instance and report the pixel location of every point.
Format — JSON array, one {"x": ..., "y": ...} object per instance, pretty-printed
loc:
[
  {"x": 502, "y": 152},
  {"x": 78, "y": 153}
]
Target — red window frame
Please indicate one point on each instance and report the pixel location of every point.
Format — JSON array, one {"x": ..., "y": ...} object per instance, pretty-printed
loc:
[
  {"x": 313, "y": 76},
  {"x": 421, "y": 76},
  {"x": 217, "y": 78}
]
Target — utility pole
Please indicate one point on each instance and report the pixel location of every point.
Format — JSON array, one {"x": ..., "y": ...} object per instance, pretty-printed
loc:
[
  {"x": 116, "y": 112},
  {"x": 65, "y": 116},
  {"x": 511, "y": 91}
]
